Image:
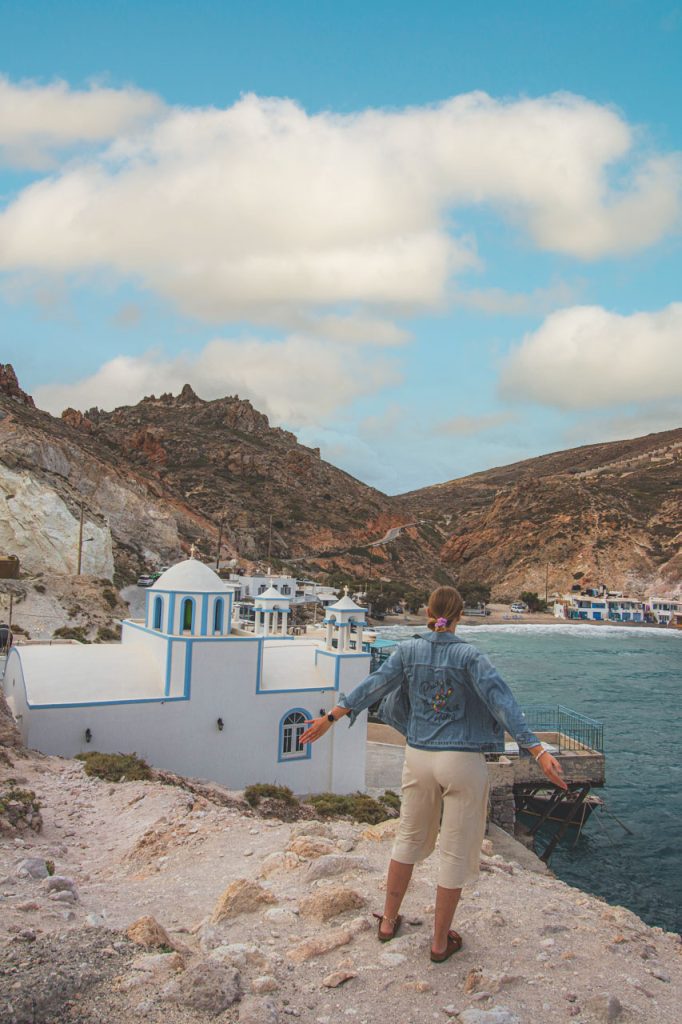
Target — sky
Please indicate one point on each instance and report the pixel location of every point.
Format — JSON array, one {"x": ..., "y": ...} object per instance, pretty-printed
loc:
[{"x": 430, "y": 238}]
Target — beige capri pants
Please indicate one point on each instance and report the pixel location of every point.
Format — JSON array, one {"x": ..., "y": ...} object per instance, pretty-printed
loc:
[{"x": 455, "y": 781}]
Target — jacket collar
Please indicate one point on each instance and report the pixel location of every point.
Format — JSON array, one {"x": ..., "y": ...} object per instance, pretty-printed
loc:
[{"x": 443, "y": 638}]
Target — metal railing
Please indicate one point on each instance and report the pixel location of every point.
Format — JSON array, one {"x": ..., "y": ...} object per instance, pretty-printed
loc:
[{"x": 573, "y": 730}]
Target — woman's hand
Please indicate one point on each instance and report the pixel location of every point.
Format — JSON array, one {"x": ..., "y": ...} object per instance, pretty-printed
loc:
[
  {"x": 318, "y": 727},
  {"x": 552, "y": 769}
]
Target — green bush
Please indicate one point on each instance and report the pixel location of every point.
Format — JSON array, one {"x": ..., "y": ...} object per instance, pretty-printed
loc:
[
  {"x": 268, "y": 790},
  {"x": 18, "y": 796},
  {"x": 115, "y": 767},
  {"x": 105, "y": 634},
  {"x": 71, "y": 633},
  {"x": 358, "y": 806},
  {"x": 391, "y": 800}
]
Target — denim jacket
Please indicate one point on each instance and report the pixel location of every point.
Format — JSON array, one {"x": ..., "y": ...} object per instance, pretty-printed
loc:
[{"x": 442, "y": 693}]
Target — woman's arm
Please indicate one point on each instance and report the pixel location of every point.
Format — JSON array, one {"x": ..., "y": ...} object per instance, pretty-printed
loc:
[{"x": 389, "y": 676}]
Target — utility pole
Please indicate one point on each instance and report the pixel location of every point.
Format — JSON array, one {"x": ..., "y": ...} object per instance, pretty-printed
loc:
[
  {"x": 220, "y": 540},
  {"x": 270, "y": 538},
  {"x": 80, "y": 542},
  {"x": 11, "y": 606},
  {"x": 546, "y": 581}
]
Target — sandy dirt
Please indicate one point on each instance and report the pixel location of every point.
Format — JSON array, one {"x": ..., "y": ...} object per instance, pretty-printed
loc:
[{"x": 534, "y": 948}]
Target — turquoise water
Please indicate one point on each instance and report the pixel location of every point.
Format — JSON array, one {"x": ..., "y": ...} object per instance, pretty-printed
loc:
[{"x": 631, "y": 679}]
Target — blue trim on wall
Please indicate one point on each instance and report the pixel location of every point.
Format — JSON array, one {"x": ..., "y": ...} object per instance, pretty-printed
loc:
[
  {"x": 281, "y": 757},
  {"x": 171, "y": 612},
  {"x": 157, "y": 614},
  {"x": 196, "y": 593},
  {"x": 107, "y": 703},
  {"x": 169, "y": 665},
  {"x": 229, "y": 613},
  {"x": 203, "y": 628},
  {"x": 188, "y": 669},
  {"x": 341, "y": 654}
]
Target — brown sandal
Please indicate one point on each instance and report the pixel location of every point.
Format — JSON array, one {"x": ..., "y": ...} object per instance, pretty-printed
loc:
[
  {"x": 454, "y": 945},
  {"x": 384, "y": 936}
]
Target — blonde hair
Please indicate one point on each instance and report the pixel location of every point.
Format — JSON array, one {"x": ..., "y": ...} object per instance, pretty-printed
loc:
[{"x": 444, "y": 603}]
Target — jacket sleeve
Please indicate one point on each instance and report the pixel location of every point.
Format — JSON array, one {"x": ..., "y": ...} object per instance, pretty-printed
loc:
[
  {"x": 500, "y": 701},
  {"x": 387, "y": 677}
]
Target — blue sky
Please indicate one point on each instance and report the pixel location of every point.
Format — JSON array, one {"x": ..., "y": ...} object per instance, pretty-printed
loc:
[{"x": 431, "y": 238}]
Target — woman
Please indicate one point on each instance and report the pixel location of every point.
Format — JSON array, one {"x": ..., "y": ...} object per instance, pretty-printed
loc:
[{"x": 452, "y": 706}]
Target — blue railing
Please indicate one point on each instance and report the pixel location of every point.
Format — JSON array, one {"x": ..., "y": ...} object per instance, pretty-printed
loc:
[{"x": 573, "y": 730}]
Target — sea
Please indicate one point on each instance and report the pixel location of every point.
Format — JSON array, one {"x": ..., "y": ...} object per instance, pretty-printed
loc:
[{"x": 631, "y": 680}]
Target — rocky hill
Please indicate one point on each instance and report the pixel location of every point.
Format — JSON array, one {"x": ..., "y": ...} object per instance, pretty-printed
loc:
[
  {"x": 607, "y": 513},
  {"x": 155, "y": 477},
  {"x": 152, "y": 478}
]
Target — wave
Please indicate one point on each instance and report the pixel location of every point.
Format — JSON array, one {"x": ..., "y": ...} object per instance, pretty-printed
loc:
[{"x": 538, "y": 628}]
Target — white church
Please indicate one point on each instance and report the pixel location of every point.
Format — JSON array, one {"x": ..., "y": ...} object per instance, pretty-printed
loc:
[{"x": 190, "y": 690}]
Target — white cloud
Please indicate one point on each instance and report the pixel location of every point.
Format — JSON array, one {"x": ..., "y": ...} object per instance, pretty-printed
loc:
[
  {"x": 262, "y": 211},
  {"x": 296, "y": 380},
  {"x": 587, "y": 357},
  {"x": 471, "y": 426},
  {"x": 498, "y": 302},
  {"x": 37, "y": 120}
]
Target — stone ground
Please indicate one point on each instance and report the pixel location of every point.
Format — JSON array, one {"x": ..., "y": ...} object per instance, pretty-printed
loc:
[{"x": 266, "y": 921}]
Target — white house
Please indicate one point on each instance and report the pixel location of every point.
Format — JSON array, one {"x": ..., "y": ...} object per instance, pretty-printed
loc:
[{"x": 191, "y": 692}]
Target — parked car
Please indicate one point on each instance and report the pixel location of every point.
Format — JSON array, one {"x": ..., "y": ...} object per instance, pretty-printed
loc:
[
  {"x": 145, "y": 581},
  {"x": 519, "y": 608}
]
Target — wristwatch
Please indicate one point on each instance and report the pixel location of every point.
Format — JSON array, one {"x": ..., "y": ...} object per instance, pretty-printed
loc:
[{"x": 330, "y": 717}]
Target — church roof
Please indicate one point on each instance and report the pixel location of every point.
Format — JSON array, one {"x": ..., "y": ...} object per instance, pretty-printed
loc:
[
  {"x": 190, "y": 577},
  {"x": 271, "y": 594},
  {"x": 345, "y": 604}
]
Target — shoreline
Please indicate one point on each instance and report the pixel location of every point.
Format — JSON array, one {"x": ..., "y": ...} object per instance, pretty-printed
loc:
[{"x": 505, "y": 619}]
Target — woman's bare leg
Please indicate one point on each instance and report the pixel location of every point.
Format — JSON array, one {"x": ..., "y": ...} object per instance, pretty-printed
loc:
[
  {"x": 446, "y": 905},
  {"x": 397, "y": 881}
]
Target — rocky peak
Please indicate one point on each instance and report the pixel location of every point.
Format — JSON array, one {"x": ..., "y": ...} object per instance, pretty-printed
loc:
[
  {"x": 76, "y": 419},
  {"x": 9, "y": 385}
]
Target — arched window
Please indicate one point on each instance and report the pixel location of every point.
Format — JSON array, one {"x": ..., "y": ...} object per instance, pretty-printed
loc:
[
  {"x": 218, "y": 615},
  {"x": 291, "y": 728},
  {"x": 187, "y": 615},
  {"x": 158, "y": 612}
]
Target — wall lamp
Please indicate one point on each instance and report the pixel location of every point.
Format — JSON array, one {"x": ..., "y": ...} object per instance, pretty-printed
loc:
[{"x": 220, "y": 724}]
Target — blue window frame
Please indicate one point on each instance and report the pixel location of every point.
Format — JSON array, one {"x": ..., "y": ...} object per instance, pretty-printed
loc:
[
  {"x": 158, "y": 612},
  {"x": 291, "y": 728},
  {"x": 218, "y": 615}
]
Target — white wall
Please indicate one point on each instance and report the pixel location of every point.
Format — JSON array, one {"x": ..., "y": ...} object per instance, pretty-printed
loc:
[{"x": 183, "y": 735}]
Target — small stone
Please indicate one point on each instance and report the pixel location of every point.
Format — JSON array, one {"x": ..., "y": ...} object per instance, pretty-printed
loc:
[
  {"x": 606, "y": 1008},
  {"x": 147, "y": 932},
  {"x": 337, "y": 978},
  {"x": 60, "y": 883},
  {"x": 241, "y": 897},
  {"x": 660, "y": 975},
  {"x": 473, "y": 980},
  {"x": 263, "y": 984},
  {"x": 383, "y": 831},
  {"x": 336, "y": 864},
  {"x": 417, "y": 986},
  {"x": 253, "y": 1010},
  {"x": 487, "y": 847},
  {"x": 328, "y": 903},
  {"x": 548, "y": 943},
  {"x": 94, "y": 921},
  {"x": 27, "y": 934},
  {"x": 495, "y": 1015},
  {"x": 312, "y": 828},
  {"x": 451, "y": 1010},
  {"x": 207, "y": 985},
  {"x": 239, "y": 954},
  {"x": 27, "y": 907},
  {"x": 319, "y": 945},
  {"x": 498, "y": 919},
  {"x": 33, "y": 867},
  {"x": 65, "y": 896},
  {"x": 276, "y": 862},
  {"x": 310, "y": 847}
]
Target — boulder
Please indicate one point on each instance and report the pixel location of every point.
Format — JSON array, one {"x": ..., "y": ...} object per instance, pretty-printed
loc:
[
  {"x": 208, "y": 986},
  {"x": 328, "y": 903},
  {"x": 241, "y": 897},
  {"x": 147, "y": 932}
]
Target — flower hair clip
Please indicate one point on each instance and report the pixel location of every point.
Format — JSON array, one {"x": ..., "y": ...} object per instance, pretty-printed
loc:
[{"x": 441, "y": 623}]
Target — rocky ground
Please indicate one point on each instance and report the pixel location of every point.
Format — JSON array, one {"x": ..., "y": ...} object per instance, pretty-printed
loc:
[{"x": 166, "y": 906}]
